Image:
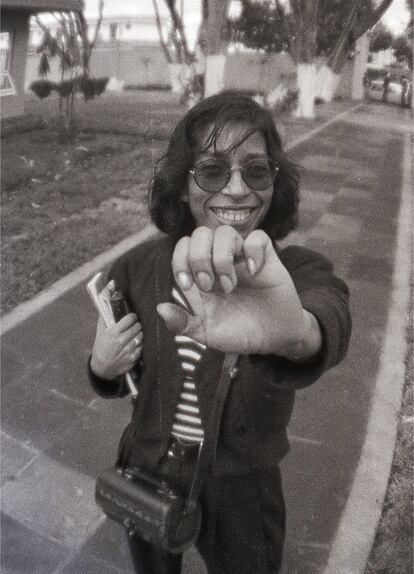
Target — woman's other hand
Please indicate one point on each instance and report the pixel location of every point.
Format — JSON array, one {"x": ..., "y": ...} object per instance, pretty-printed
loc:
[
  {"x": 242, "y": 296},
  {"x": 117, "y": 348}
]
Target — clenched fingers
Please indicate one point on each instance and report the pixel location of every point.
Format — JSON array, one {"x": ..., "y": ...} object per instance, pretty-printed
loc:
[{"x": 208, "y": 258}]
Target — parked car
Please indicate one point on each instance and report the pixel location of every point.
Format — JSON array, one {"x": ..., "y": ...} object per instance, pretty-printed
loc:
[{"x": 376, "y": 91}]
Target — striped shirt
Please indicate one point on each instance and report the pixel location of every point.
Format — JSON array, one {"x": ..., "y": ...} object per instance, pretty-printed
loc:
[{"x": 187, "y": 425}]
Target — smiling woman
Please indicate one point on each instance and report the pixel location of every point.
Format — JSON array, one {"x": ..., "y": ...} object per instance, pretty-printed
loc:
[{"x": 215, "y": 302}]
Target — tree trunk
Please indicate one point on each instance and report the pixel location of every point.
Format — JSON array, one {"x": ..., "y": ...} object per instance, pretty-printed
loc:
[
  {"x": 326, "y": 83},
  {"x": 215, "y": 45},
  {"x": 160, "y": 33},
  {"x": 303, "y": 49},
  {"x": 360, "y": 66},
  {"x": 215, "y": 66},
  {"x": 306, "y": 85}
]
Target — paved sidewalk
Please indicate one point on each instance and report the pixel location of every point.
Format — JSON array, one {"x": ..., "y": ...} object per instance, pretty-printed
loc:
[{"x": 57, "y": 435}]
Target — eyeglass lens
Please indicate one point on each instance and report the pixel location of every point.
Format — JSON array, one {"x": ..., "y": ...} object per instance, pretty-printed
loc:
[{"x": 214, "y": 175}]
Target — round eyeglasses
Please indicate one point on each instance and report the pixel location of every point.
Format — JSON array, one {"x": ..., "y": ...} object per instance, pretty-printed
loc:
[{"x": 213, "y": 175}]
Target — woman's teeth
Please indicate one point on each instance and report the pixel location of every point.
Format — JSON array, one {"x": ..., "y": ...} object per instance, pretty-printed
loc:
[{"x": 233, "y": 215}]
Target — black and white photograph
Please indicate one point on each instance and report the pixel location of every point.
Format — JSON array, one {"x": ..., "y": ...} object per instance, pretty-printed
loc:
[{"x": 206, "y": 287}]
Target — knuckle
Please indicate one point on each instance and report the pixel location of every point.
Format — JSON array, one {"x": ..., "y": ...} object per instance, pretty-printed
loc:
[
  {"x": 223, "y": 260},
  {"x": 225, "y": 231},
  {"x": 258, "y": 237},
  {"x": 199, "y": 261}
]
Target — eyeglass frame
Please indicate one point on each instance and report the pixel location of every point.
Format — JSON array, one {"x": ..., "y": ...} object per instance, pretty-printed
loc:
[{"x": 232, "y": 170}]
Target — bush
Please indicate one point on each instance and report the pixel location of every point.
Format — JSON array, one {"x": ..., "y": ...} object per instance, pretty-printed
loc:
[
  {"x": 91, "y": 87},
  {"x": 100, "y": 85},
  {"x": 42, "y": 88}
]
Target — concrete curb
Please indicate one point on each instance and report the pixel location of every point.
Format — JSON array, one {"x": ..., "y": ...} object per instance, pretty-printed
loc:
[
  {"x": 23, "y": 311},
  {"x": 28, "y": 308},
  {"x": 355, "y": 535}
]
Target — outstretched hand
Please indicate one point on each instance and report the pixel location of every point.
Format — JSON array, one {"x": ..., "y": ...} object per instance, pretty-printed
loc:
[{"x": 242, "y": 297}]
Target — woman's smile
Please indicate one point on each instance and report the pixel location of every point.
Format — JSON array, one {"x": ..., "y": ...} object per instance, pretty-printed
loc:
[{"x": 233, "y": 215}]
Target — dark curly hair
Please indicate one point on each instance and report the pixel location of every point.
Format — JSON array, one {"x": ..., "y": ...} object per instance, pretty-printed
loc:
[{"x": 171, "y": 214}]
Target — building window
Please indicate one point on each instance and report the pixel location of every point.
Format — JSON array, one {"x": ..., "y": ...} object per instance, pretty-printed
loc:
[
  {"x": 7, "y": 85},
  {"x": 113, "y": 31}
]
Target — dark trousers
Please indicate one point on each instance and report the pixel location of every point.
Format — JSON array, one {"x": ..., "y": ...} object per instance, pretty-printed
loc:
[{"x": 243, "y": 526}]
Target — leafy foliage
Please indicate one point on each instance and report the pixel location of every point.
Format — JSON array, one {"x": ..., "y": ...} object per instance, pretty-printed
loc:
[
  {"x": 258, "y": 27},
  {"x": 42, "y": 88},
  {"x": 403, "y": 51},
  {"x": 268, "y": 25},
  {"x": 381, "y": 38}
]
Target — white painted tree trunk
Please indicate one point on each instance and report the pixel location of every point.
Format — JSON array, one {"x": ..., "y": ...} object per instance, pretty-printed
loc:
[
  {"x": 326, "y": 83},
  {"x": 214, "y": 79},
  {"x": 306, "y": 85},
  {"x": 360, "y": 66}
]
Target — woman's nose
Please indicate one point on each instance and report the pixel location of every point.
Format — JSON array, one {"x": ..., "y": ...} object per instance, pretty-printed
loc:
[{"x": 236, "y": 187}]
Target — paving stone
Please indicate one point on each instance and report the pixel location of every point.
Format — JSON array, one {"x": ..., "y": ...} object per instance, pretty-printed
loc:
[
  {"x": 327, "y": 164},
  {"x": 385, "y": 245},
  {"x": 333, "y": 227},
  {"x": 320, "y": 181},
  {"x": 339, "y": 253},
  {"x": 86, "y": 565},
  {"x": 373, "y": 269},
  {"x": 354, "y": 194},
  {"x": 14, "y": 457},
  {"x": 109, "y": 546},
  {"x": 308, "y": 218},
  {"x": 343, "y": 206},
  {"x": 36, "y": 416},
  {"x": 56, "y": 502},
  {"x": 374, "y": 225},
  {"x": 24, "y": 551},
  {"x": 15, "y": 366},
  {"x": 315, "y": 200},
  {"x": 93, "y": 443},
  {"x": 65, "y": 373}
]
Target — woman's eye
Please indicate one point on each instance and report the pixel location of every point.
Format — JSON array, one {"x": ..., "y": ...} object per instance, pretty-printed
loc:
[
  {"x": 210, "y": 169},
  {"x": 257, "y": 169}
]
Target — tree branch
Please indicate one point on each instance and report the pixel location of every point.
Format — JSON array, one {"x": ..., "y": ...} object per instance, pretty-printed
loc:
[
  {"x": 369, "y": 18},
  {"x": 160, "y": 33},
  {"x": 178, "y": 29}
]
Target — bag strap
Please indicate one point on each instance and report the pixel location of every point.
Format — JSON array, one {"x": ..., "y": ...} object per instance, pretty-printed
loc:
[{"x": 208, "y": 445}]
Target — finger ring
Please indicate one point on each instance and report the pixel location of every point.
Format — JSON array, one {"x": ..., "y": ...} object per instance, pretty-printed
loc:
[{"x": 137, "y": 341}]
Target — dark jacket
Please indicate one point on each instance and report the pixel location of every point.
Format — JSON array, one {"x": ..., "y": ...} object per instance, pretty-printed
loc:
[{"x": 260, "y": 402}]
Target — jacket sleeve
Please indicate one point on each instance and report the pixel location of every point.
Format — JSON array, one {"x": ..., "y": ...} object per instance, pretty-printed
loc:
[
  {"x": 114, "y": 389},
  {"x": 326, "y": 296}
]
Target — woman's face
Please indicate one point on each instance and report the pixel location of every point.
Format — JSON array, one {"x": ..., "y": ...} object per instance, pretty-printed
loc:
[{"x": 237, "y": 204}]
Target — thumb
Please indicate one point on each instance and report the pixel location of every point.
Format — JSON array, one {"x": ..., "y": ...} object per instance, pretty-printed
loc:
[{"x": 174, "y": 317}]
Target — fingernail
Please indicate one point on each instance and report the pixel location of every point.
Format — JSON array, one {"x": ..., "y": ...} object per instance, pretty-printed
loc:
[
  {"x": 184, "y": 280},
  {"x": 251, "y": 265},
  {"x": 204, "y": 281},
  {"x": 226, "y": 283}
]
